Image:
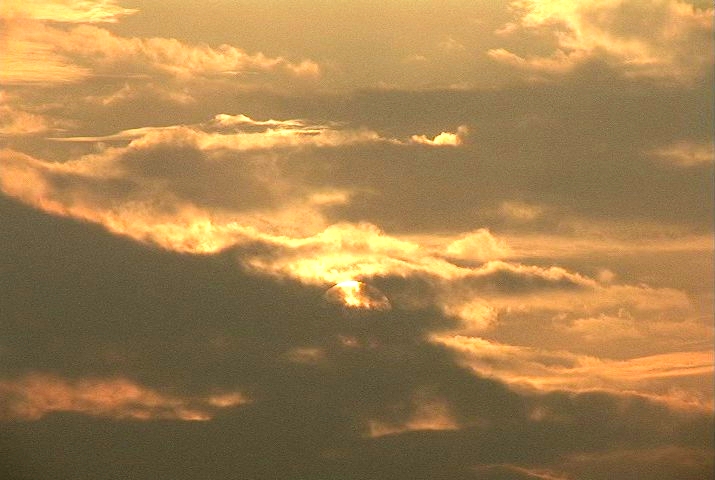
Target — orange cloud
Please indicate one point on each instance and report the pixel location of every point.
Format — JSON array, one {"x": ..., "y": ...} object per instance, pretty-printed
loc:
[
  {"x": 654, "y": 39},
  {"x": 679, "y": 379},
  {"x": 685, "y": 153},
  {"x": 356, "y": 295},
  {"x": 443, "y": 139},
  {"x": 427, "y": 413},
  {"x": 34, "y": 51},
  {"x": 35, "y": 395},
  {"x": 479, "y": 245},
  {"x": 15, "y": 121},
  {"x": 28, "y": 56},
  {"x": 65, "y": 11},
  {"x": 306, "y": 247}
]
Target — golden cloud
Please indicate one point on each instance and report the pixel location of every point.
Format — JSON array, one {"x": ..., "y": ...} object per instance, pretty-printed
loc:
[
  {"x": 132, "y": 190},
  {"x": 685, "y": 153},
  {"x": 36, "y": 395},
  {"x": 657, "y": 39},
  {"x": 34, "y": 51},
  {"x": 680, "y": 379},
  {"x": 16, "y": 121},
  {"x": 305, "y": 246},
  {"x": 443, "y": 139},
  {"x": 427, "y": 413},
  {"x": 65, "y": 11}
]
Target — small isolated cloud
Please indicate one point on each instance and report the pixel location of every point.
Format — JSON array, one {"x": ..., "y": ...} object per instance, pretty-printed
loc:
[
  {"x": 521, "y": 211},
  {"x": 685, "y": 154},
  {"x": 426, "y": 414},
  {"x": 450, "y": 44},
  {"x": 414, "y": 58},
  {"x": 444, "y": 139},
  {"x": 36, "y": 395}
]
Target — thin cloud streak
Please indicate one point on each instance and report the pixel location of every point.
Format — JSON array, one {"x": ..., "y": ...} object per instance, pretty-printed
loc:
[
  {"x": 36, "y": 395},
  {"x": 654, "y": 377}
]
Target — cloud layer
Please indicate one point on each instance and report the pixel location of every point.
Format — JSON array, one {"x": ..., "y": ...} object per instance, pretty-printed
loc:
[{"x": 448, "y": 240}]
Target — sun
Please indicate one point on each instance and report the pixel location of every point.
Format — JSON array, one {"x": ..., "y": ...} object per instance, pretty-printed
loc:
[{"x": 353, "y": 294}]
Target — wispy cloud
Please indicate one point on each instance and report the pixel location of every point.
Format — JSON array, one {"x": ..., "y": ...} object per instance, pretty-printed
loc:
[
  {"x": 36, "y": 395},
  {"x": 685, "y": 153},
  {"x": 679, "y": 379},
  {"x": 65, "y": 11},
  {"x": 36, "y": 51}
]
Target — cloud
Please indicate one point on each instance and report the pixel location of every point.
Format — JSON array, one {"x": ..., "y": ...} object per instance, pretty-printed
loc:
[
  {"x": 678, "y": 379},
  {"x": 428, "y": 414},
  {"x": 208, "y": 199},
  {"x": 654, "y": 463},
  {"x": 17, "y": 121},
  {"x": 131, "y": 92},
  {"x": 654, "y": 39},
  {"x": 521, "y": 211},
  {"x": 86, "y": 51},
  {"x": 176, "y": 213},
  {"x": 35, "y": 395},
  {"x": 443, "y": 139},
  {"x": 223, "y": 179},
  {"x": 449, "y": 44},
  {"x": 685, "y": 154},
  {"x": 65, "y": 11},
  {"x": 328, "y": 393},
  {"x": 518, "y": 472},
  {"x": 167, "y": 55},
  {"x": 29, "y": 57},
  {"x": 479, "y": 245},
  {"x": 240, "y": 133}
]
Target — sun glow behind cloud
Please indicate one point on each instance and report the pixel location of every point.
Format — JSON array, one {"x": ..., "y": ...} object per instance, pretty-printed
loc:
[{"x": 447, "y": 227}]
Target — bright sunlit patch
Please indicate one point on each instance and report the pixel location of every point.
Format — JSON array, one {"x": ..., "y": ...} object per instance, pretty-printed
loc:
[{"x": 357, "y": 295}]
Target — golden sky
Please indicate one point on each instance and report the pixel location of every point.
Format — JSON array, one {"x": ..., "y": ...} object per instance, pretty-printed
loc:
[{"x": 356, "y": 239}]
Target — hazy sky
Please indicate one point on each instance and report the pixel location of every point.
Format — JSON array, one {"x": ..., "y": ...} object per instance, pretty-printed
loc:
[{"x": 356, "y": 240}]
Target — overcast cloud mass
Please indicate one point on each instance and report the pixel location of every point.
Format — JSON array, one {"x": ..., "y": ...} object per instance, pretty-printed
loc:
[{"x": 356, "y": 240}]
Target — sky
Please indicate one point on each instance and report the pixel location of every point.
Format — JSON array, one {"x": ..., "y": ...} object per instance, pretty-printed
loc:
[{"x": 360, "y": 240}]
